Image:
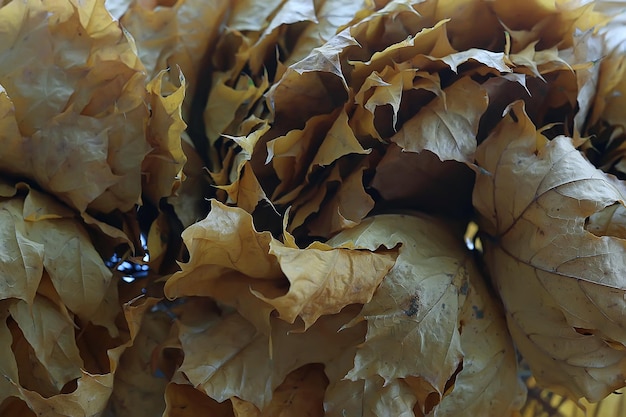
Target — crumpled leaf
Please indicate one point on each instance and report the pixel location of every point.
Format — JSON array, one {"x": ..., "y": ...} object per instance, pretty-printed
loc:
[
  {"x": 331, "y": 15},
  {"x": 186, "y": 401},
  {"x": 435, "y": 186},
  {"x": 369, "y": 398},
  {"x": 488, "y": 361},
  {"x": 138, "y": 388},
  {"x": 233, "y": 262},
  {"x": 561, "y": 285},
  {"x": 51, "y": 238},
  {"x": 424, "y": 318},
  {"x": 92, "y": 390},
  {"x": 448, "y": 125},
  {"x": 421, "y": 296},
  {"x": 222, "y": 353},
  {"x": 168, "y": 34},
  {"x": 324, "y": 279},
  {"x": 51, "y": 335},
  {"x": 302, "y": 391},
  {"x": 78, "y": 91},
  {"x": 163, "y": 166}
]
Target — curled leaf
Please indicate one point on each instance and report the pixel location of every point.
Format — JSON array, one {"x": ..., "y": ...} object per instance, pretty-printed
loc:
[{"x": 562, "y": 286}]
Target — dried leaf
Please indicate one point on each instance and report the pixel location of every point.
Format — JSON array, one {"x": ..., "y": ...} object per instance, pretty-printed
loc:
[
  {"x": 162, "y": 167},
  {"x": 448, "y": 125},
  {"x": 424, "y": 319},
  {"x": 345, "y": 209},
  {"x": 138, "y": 389},
  {"x": 421, "y": 296},
  {"x": 81, "y": 129},
  {"x": 222, "y": 353},
  {"x": 323, "y": 280},
  {"x": 51, "y": 335},
  {"x": 302, "y": 391},
  {"x": 561, "y": 285},
  {"x": 330, "y": 15},
  {"x": 175, "y": 34},
  {"x": 186, "y": 401}
]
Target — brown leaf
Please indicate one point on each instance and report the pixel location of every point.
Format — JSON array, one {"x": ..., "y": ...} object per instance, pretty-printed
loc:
[
  {"x": 301, "y": 393},
  {"x": 186, "y": 401},
  {"x": 138, "y": 390},
  {"x": 223, "y": 352},
  {"x": 448, "y": 125},
  {"x": 561, "y": 285},
  {"x": 323, "y": 280},
  {"x": 81, "y": 129},
  {"x": 345, "y": 209},
  {"x": 162, "y": 167},
  {"x": 51, "y": 335},
  {"x": 175, "y": 34},
  {"x": 330, "y": 15},
  {"x": 435, "y": 186}
]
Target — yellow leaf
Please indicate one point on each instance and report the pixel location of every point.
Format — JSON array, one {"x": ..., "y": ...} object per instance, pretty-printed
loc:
[
  {"x": 174, "y": 35},
  {"x": 447, "y": 126},
  {"x": 561, "y": 285},
  {"x": 228, "y": 258},
  {"x": 51, "y": 336},
  {"x": 422, "y": 43},
  {"x": 421, "y": 296},
  {"x": 21, "y": 260},
  {"x": 81, "y": 130},
  {"x": 226, "y": 104},
  {"x": 223, "y": 352},
  {"x": 76, "y": 269},
  {"x": 323, "y": 280},
  {"x": 227, "y": 238},
  {"x": 162, "y": 167},
  {"x": 426, "y": 321},
  {"x": 186, "y": 401},
  {"x": 488, "y": 383}
]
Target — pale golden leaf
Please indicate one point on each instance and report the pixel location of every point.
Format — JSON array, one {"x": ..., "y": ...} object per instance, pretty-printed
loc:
[
  {"x": 323, "y": 280},
  {"x": 51, "y": 335},
  {"x": 561, "y": 285},
  {"x": 447, "y": 126},
  {"x": 186, "y": 401},
  {"x": 162, "y": 167},
  {"x": 223, "y": 352}
]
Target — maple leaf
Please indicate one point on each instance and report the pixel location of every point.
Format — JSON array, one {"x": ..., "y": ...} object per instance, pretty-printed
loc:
[
  {"x": 560, "y": 283},
  {"x": 448, "y": 125},
  {"x": 176, "y": 35},
  {"x": 424, "y": 318},
  {"x": 320, "y": 278},
  {"x": 221, "y": 351},
  {"x": 79, "y": 106}
]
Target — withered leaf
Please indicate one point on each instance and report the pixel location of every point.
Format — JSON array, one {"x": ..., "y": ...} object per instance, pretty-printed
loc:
[
  {"x": 561, "y": 285},
  {"x": 425, "y": 318},
  {"x": 81, "y": 129},
  {"x": 323, "y": 280},
  {"x": 447, "y": 126},
  {"x": 222, "y": 354}
]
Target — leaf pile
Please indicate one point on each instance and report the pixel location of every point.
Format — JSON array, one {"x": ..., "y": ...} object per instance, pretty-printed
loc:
[{"x": 301, "y": 174}]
